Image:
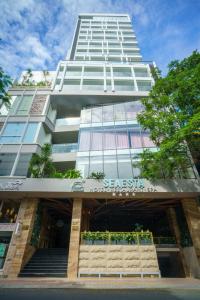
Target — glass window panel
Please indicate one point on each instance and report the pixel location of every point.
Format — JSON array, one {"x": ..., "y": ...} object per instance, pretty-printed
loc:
[
  {"x": 82, "y": 164},
  {"x": 139, "y": 72},
  {"x": 147, "y": 142},
  {"x": 110, "y": 166},
  {"x": 23, "y": 164},
  {"x": 109, "y": 139},
  {"x": 96, "y": 140},
  {"x": 15, "y": 104},
  {"x": 124, "y": 85},
  {"x": 144, "y": 85},
  {"x": 6, "y": 163},
  {"x": 124, "y": 166},
  {"x": 122, "y": 139},
  {"x": 132, "y": 109},
  {"x": 108, "y": 115},
  {"x": 135, "y": 138},
  {"x": 119, "y": 111},
  {"x": 30, "y": 133},
  {"x": 122, "y": 72},
  {"x": 4, "y": 109},
  {"x": 96, "y": 164},
  {"x": 84, "y": 140},
  {"x": 97, "y": 115},
  {"x": 86, "y": 115},
  {"x": 25, "y": 105},
  {"x": 12, "y": 133},
  {"x": 14, "y": 129}
]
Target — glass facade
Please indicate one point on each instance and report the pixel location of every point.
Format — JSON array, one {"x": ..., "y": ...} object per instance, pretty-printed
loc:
[
  {"x": 109, "y": 137},
  {"x": 18, "y": 132}
]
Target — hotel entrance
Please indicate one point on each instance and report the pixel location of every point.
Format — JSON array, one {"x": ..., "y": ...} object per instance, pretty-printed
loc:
[
  {"x": 50, "y": 240},
  {"x": 139, "y": 222}
]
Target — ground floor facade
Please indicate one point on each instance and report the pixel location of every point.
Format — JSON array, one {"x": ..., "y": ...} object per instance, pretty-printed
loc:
[{"x": 92, "y": 229}]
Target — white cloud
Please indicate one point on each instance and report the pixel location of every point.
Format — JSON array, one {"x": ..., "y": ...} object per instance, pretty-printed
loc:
[{"x": 38, "y": 33}]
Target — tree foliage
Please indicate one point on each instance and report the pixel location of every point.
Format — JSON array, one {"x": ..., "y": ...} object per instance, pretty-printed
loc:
[
  {"x": 172, "y": 115},
  {"x": 5, "y": 82},
  {"x": 41, "y": 166}
]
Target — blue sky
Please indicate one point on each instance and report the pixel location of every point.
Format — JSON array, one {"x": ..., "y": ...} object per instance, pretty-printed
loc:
[{"x": 37, "y": 33}]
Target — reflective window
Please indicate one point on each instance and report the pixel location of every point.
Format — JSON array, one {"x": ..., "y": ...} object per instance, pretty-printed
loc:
[
  {"x": 5, "y": 109},
  {"x": 84, "y": 140},
  {"x": 97, "y": 140},
  {"x": 124, "y": 166},
  {"x": 119, "y": 112},
  {"x": 122, "y": 139},
  {"x": 25, "y": 105},
  {"x": 86, "y": 115},
  {"x": 132, "y": 109},
  {"x": 23, "y": 164},
  {"x": 6, "y": 163},
  {"x": 30, "y": 133},
  {"x": 147, "y": 142},
  {"x": 135, "y": 138},
  {"x": 82, "y": 164},
  {"x": 110, "y": 166},
  {"x": 108, "y": 113},
  {"x": 97, "y": 115},
  {"x": 96, "y": 164},
  {"x": 109, "y": 139},
  {"x": 12, "y": 133}
]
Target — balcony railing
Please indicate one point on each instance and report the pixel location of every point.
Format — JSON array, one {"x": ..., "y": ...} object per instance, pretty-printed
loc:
[
  {"x": 68, "y": 121},
  {"x": 65, "y": 148}
]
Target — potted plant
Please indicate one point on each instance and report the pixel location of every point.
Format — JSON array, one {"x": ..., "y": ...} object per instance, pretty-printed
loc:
[
  {"x": 96, "y": 175},
  {"x": 131, "y": 238},
  {"x": 145, "y": 238},
  {"x": 87, "y": 237}
]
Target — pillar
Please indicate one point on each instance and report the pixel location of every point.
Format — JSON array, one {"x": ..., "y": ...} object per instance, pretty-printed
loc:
[
  {"x": 73, "y": 257},
  {"x": 20, "y": 239},
  {"x": 175, "y": 227},
  {"x": 192, "y": 214}
]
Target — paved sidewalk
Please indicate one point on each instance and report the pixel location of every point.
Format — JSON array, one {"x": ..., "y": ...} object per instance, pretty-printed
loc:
[{"x": 108, "y": 283}]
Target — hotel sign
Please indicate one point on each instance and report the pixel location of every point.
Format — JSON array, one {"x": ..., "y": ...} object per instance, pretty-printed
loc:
[{"x": 123, "y": 183}]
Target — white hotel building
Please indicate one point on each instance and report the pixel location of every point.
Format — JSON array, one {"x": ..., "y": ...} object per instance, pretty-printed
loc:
[{"x": 87, "y": 111}]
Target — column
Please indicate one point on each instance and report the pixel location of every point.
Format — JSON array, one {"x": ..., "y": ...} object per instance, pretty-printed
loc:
[
  {"x": 175, "y": 228},
  {"x": 21, "y": 238},
  {"x": 192, "y": 214},
  {"x": 73, "y": 257}
]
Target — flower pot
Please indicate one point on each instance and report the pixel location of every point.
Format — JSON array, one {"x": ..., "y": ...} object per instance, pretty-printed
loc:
[
  {"x": 99, "y": 242},
  {"x": 87, "y": 242}
]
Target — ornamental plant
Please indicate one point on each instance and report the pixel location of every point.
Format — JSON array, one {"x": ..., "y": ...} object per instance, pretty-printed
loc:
[
  {"x": 97, "y": 175},
  {"x": 172, "y": 116}
]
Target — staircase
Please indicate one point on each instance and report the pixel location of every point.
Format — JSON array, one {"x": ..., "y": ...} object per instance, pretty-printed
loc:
[{"x": 49, "y": 262}]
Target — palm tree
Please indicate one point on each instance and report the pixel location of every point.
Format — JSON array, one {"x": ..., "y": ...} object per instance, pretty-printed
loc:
[
  {"x": 45, "y": 73},
  {"x": 41, "y": 165}
]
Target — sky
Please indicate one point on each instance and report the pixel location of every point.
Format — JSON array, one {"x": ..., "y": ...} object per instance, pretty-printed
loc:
[{"x": 36, "y": 34}]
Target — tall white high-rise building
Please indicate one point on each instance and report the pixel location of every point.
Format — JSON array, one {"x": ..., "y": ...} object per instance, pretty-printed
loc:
[{"x": 87, "y": 111}]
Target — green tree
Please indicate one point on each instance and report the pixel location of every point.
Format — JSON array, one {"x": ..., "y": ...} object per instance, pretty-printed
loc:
[
  {"x": 5, "y": 82},
  {"x": 41, "y": 165},
  {"x": 172, "y": 115}
]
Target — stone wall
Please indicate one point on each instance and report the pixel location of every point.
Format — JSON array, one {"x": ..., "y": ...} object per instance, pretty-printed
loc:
[
  {"x": 17, "y": 256},
  {"x": 118, "y": 258}
]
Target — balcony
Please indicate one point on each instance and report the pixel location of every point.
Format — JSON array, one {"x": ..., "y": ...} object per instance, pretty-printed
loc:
[{"x": 65, "y": 148}]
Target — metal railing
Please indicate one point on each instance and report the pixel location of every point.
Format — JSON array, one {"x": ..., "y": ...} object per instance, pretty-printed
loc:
[{"x": 64, "y": 148}]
